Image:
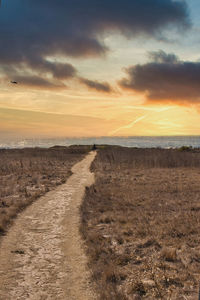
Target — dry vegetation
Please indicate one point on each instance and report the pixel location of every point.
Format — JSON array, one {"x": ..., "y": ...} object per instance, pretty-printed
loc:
[
  {"x": 29, "y": 173},
  {"x": 141, "y": 223}
]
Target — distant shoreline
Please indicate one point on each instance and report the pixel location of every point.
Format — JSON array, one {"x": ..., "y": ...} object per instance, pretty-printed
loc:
[{"x": 164, "y": 142}]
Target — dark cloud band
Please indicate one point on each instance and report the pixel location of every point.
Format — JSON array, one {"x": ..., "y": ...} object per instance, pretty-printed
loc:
[
  {"x": 96, "y": 85},
  {"x": 165, "y": 78},
  {"x": 32, "y": 31},
  {"x": 38, "y": 82}
]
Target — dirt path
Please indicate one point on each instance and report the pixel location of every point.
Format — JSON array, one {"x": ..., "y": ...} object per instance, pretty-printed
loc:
[{"x": 42, "y": 257}]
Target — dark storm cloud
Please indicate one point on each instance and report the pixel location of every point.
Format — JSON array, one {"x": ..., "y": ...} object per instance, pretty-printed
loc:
[
  {"x": 38, "y": 82},
  {"x": 96, "y": 85},
  {"x": 162, "y": 57},
  {"x": 58, "y": 70},
  {"x": 31, "y": 31},
  {"x": 166, "y": 78}
]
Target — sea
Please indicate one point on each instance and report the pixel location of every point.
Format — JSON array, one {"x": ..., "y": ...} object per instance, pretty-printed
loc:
[{"x": 165, "y": 142}]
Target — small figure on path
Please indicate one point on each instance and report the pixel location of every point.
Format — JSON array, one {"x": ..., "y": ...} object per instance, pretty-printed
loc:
[{"x": 94, "y": 147}]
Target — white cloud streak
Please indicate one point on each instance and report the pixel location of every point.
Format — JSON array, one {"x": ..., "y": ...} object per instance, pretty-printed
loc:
[
  {"x": 138, "y": 119},
  {"x": 127, "y": 126}
]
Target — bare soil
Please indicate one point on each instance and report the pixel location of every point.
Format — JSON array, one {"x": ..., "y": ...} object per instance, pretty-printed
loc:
[
  {"x": 42, "y": 256},
  {"x": 141, "y": 224}
]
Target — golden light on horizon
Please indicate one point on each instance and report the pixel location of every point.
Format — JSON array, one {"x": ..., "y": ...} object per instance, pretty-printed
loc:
[{"x": 98, "y": 118}]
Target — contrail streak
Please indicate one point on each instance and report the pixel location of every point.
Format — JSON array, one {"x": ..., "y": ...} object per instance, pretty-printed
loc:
[
  {"x": 129, "y": 125},
  {"x": 138, "y": 120}
]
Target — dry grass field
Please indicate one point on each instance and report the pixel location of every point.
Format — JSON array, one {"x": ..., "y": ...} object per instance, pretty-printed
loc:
[
  {"x": 141, "y": 223},
  {"x": 29, "y": 173}
]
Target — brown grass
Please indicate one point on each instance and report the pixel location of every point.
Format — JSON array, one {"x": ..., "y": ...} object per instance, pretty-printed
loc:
[
  {"x": 29, "y": 173},
  {"x": 141, "y": 222}
]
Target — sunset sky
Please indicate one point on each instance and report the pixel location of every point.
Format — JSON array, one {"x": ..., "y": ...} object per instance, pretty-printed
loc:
[{"x": 99, "y": 68}]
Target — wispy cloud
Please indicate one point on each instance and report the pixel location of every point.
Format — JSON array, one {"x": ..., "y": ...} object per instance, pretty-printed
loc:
[{"x": 152, "y": 109}]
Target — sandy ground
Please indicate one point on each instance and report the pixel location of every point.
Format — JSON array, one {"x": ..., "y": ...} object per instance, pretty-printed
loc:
[{"x": 42, "y": 256}]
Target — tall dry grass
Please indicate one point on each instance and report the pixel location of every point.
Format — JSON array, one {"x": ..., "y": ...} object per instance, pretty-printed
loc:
[
  {"x": 141, "y": 223},
  {"x": 148, "y": 158},
  {"x": 27, "y": 174}
]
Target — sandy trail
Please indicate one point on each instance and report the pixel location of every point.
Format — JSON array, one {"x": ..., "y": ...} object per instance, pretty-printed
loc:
[{"x": 42, "y": 256}]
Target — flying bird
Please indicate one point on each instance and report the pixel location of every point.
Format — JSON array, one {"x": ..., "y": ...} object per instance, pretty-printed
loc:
[{"x": 13, "y": 82}]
